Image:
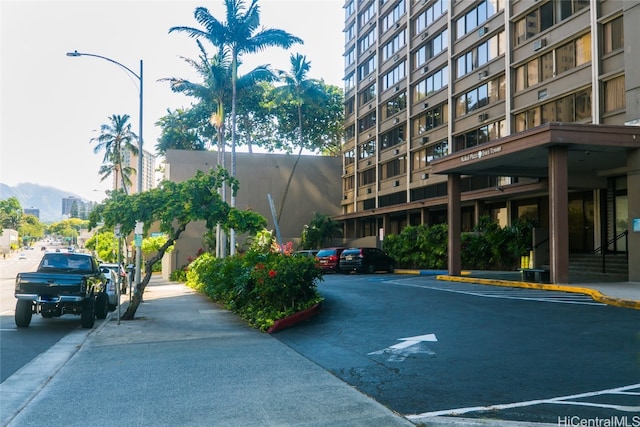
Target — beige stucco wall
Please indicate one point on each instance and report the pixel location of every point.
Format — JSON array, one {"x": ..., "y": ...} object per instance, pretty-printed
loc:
[{"x": 316, "y": 187}]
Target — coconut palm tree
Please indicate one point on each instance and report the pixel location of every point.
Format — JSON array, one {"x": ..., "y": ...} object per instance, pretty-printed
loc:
[
  {"x": 116, "y": 139},
  {"x": 214, "y": 94},
  {"x": 241, "y": 33},
  {"x": 297, "y": 91}
]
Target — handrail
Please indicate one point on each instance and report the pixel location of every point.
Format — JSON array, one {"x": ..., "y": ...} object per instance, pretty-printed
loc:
[
  {"x": 615, "y": 239},
  {"x": 611, "y": 241}
]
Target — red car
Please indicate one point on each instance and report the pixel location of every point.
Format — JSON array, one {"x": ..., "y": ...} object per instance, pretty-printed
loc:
[{"x": 328, "y": 259}]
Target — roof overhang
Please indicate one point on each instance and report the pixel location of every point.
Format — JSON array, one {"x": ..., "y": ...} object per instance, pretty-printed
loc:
[{"x": 594, "y": 149}]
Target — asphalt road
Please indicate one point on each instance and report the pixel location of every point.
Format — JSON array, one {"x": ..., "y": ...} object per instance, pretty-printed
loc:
[
  {"x": 423, "y": 347},
  {"x": 20, "y": 346}
]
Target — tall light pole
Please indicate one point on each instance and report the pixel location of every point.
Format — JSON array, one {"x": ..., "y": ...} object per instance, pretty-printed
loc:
[{"x": 140, "y": 80}]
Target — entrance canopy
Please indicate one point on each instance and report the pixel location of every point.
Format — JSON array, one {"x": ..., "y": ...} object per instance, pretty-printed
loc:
[
  {"x": 555, "y": 151},
  {"x": 591, "y": 148}
]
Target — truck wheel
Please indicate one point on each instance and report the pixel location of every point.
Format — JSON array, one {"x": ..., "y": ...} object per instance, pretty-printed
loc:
[
  {"x": 370, "y": 269},
  {"x": 88, "y": 315},
  {"x": 23, "y": 313},
  {"x": 102, "y": 305}
]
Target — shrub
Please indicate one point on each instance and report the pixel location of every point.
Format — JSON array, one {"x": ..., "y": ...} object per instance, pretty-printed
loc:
[{"x": 260, "y": 287}]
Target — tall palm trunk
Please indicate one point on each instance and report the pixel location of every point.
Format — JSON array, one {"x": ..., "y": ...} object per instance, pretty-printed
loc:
[
  {"x": 234, "y": 79},
  {"x": 295, "y": 164}
]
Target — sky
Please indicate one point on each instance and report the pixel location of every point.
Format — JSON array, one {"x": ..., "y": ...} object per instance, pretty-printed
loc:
[{"x": 52, "y": 105}]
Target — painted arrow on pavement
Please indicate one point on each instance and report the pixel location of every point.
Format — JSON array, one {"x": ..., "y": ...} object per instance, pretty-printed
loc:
[{"x": 400, "y": 351}]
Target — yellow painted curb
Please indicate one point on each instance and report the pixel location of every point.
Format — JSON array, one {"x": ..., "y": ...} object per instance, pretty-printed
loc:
[{"x": 596, "y": 295}]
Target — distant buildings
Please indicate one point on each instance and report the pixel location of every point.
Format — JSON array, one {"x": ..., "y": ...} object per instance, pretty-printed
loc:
[
  {"x": 148, "y": 171},
  {"x": 32, "y": 211},
  {"x": 74, "y": 207}
]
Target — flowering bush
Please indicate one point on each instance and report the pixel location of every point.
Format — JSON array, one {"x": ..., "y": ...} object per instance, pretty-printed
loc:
[{"x": 260, "y": 286}]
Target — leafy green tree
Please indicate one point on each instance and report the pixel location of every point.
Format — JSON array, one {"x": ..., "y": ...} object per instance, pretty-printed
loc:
[
  {"x": 173, "y": 206},
  {"x": 11, "y": 213},
  {"x": 30, "y": 229},
  {"x": 68, "y": 229},
  {"x": 241, "y": 33},
  {"x": 178, "y": 131},
  {"x": 320, "y": 231},
  {"x": 104, "y": 245},
  {"x": 115, "y": 139}
]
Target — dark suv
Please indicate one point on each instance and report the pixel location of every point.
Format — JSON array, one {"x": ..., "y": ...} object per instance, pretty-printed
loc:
[
  {"x": 365, "y": 260},
  {"x": 328, "y": 259}
]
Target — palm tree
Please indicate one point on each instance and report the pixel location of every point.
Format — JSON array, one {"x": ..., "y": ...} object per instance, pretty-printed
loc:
[
  {"x": 215, "y": 94},
  {"x": 116, "y": 139},
  {"x": 241, "y": 33},
  {"x": 298, "y": 91}
]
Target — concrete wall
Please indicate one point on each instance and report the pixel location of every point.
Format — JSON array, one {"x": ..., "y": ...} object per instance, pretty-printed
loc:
[{"x": 316, "y": 187}]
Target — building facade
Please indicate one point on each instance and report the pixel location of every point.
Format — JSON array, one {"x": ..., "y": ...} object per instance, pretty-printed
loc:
[
  {"x": 457, "y": 109},
  {"x": 148, "y": 171},
  {"x": 315, "y": 187}
]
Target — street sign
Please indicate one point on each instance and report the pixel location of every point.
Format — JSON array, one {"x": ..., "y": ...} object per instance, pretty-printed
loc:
[{"x": 138, "y": 240}]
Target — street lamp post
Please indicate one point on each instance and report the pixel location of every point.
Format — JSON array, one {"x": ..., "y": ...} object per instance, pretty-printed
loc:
[{"x": 139, "y": 172}]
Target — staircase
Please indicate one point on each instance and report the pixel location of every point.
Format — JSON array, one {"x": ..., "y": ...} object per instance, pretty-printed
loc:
[{"x": 589, "y": 267}]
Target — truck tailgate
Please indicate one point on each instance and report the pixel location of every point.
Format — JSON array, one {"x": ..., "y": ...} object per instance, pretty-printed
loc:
[{"x": 48, "y": 284}]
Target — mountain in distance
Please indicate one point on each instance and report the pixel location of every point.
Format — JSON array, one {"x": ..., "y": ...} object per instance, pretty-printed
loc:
[{"x": 47, "y": 199}]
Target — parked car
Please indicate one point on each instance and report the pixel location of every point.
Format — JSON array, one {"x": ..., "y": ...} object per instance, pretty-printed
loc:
[
  {"x": 307, "y": 252},
  {"x": 366, "y": 260},
  {"x": 117, "y": 270},
  {"x": 22, "y": 256},
  {"x": 111, "y": 289},
  {"x": 328, "y": 259}
]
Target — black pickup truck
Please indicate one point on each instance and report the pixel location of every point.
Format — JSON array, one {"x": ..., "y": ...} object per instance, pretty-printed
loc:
[{"x": 64, "y": 283}]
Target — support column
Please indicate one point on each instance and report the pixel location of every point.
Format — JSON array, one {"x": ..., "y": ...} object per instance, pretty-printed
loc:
[
  {"x": 455, "y": 228},
  {"x": 633, "y": 197},
  {"x": 558, "y": 215}
]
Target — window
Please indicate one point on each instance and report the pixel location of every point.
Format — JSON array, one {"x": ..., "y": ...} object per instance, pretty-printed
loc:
[
  {"x": 367, "y": 149},
  {"x": 393, "y": 168},
  {"x": 395, "y": 105},
  {"x": 480, "y": 135},
  {"x": 349, "y": 106},
  {"x": 392, "y": 17},
  {"x": 393, "y": 76},
  {"x": 614, "y": 94},
  {"x": 431, "y": 84},
  {"x": 367, "y": 94},
  {"x": 613, "y": 34},
  {"x": 423, "y": 157},
  {"x": 349, "y": 58},
  {"x": 349, "y": 10},
  {"x": 367, "y": 67},
  {"x": 429, "y": 15},
  {"x": 394, "y": 137},
  {"x": 480, "y": 55},
  {"x": 349, "y": 82},
  {"x": 348, "y": 183},
  {"x": 367, "y": 14},
  {"x": 349, "y": 33},
  {"x": 431, "y": 49},
  {"x": 477, "y": 16},
  {"x": 431, "y": 119},
  {"x": 367, "y": 41},
  {"x": 574, "y": 53},
  {"x": 571, "y": 108},
  {"x": 349, "y": 157},
  {"x": 480, "y": 96},
  {"x": 367, "y": 177},
  {"x": 544, "y": 17},
  {"x": 349, "y": 132},
  {"x": 368, "y": 121},
  {"x": 394, "y": 45}
]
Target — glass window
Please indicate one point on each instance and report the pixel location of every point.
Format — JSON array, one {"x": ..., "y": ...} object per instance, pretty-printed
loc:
[
  {"x": 613, "y": 35},
  {"x": 461, "y": 106},
  {"x": 583, "y": 105},
  {"x": 549, "y": 112},
  {"x": 564, "y": 109},
  {"x": 583, "y": 49},
  {"x": 521, "y": 78},
  {"x": 483, "y": 54},
  {"x": 546, "y": 66},
  {"x": 483, "y": 95},
  {"x": 521, "y": 122},
  {"x": 532, "y": 72},
  {"x": 546, "y": 16},
  {"x": 614, "y": 94},
  {"x": 565, "y": 57}
]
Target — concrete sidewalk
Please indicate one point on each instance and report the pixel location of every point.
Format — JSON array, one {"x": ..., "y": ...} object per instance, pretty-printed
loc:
[{"x": 184, "y": 361}]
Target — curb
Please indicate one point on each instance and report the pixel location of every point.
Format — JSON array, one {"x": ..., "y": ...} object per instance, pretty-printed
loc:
[
  {"x": 596, "y": 295},
  {"x": 294, "y": 318}
]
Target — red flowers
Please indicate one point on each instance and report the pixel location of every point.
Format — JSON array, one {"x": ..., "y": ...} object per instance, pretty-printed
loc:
[{"x": 272, "y": 273}]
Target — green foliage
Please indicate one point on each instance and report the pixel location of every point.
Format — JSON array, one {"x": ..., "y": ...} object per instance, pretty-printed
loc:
[
  {"x": 319, "y": 232},
  {"x": 10, "y": 213},
  {"x": 105, "y": 245},
  {"x": 30, "y": 228},
  {"x": 488, "y": 247},
  {"x": 262, "y": 287}
]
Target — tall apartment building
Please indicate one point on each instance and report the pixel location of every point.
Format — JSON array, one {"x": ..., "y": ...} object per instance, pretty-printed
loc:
[
  {"x": 148, "y": 171},
  {"x": 457, "y": 109}
]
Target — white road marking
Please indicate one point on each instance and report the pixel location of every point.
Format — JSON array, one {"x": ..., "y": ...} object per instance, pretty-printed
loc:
[{"x": 562, "y": 400}]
